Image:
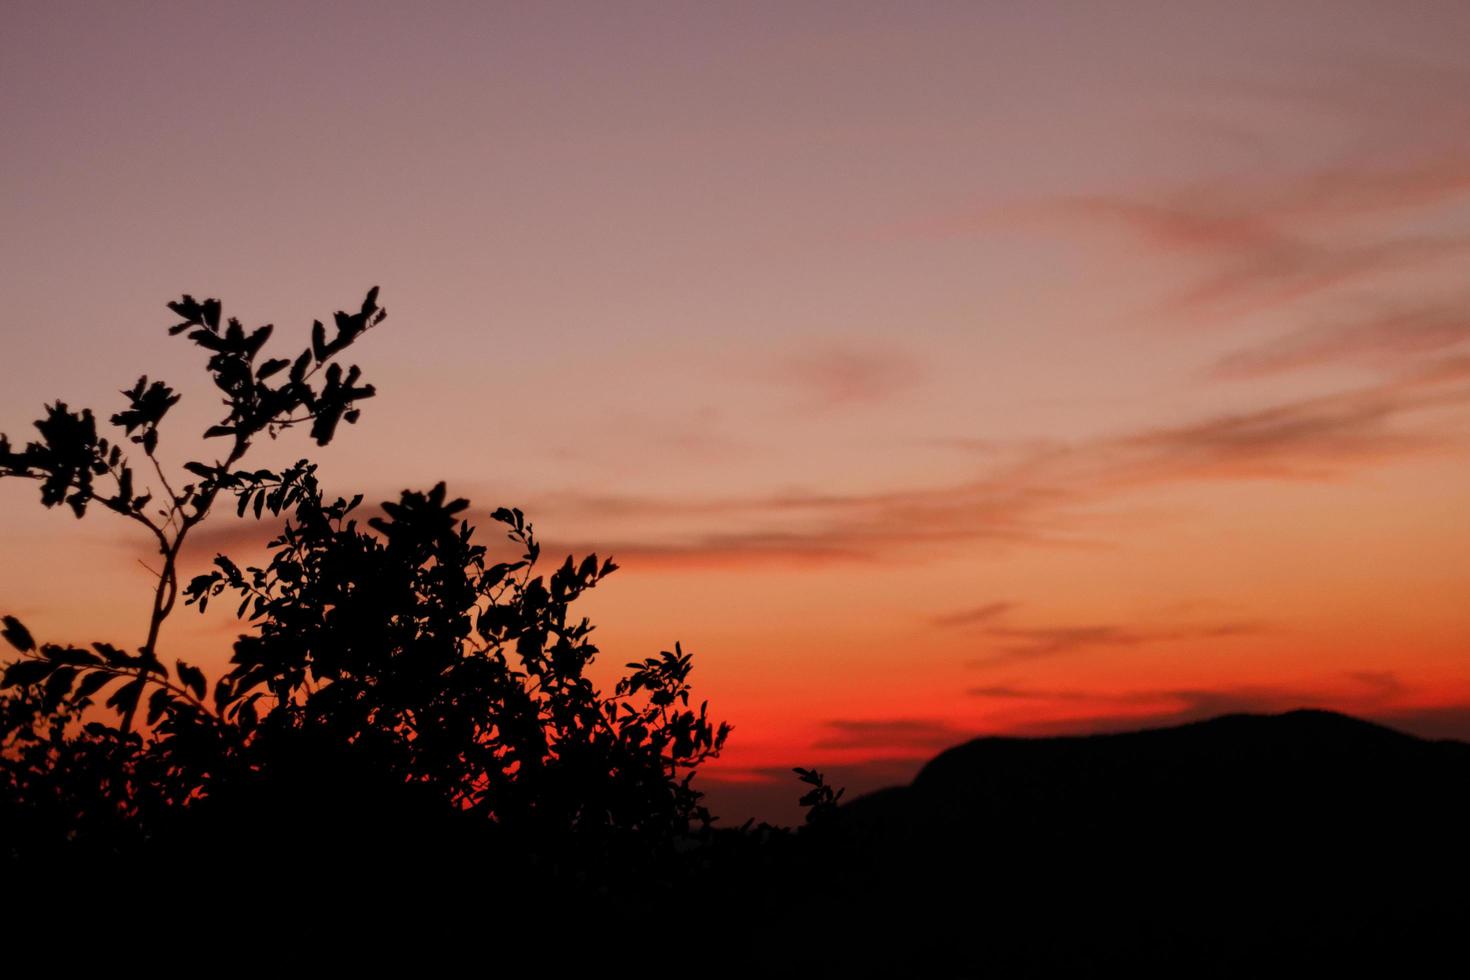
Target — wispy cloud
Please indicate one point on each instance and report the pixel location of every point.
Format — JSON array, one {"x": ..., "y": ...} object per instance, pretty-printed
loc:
[
  {"x": 1434, "y": 721},
  {"x": 1036, "y": 501},
  {"x": 1031, "y": 643},
  {"x": 902, "y": 525},
  {"x": 975, "y": 616},
  {"x": 1038, "y": 497},
  {"x": 1382, "y": 684},
  {"x": 1267, "y": 243},
  {"x": 842, "y": 375},
  {"x": 889, "y": 734},
  {"x": 1311, "y": 439},
  {"x": 1373, "y": 341}
]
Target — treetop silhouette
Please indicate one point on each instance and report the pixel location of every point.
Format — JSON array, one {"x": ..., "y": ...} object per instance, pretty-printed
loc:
[{"x": 390, "y": 667}]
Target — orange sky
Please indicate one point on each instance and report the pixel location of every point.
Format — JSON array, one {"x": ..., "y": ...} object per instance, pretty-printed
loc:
[{"x": 978, "y": 368}]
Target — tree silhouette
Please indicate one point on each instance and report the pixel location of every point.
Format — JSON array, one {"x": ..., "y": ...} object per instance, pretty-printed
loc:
[{"x": 394, "y": 679}]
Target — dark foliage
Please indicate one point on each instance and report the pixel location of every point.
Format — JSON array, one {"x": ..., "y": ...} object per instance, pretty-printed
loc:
[{"x": 400, "y": 696}]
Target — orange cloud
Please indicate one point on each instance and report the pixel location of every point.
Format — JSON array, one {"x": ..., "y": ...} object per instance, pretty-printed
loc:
[
  {"x": 1036, "y": 496},
  {"x": 889, "y": 734},
  {"x": 1031, "y": 643},
  {"x": 1035, "y": 501},
  {"x": 837, "y": 376},
  {"x": 1271, "y": 244},
  {"x": 974, "y": 616},
  {"x": 1370, "y": 340}
]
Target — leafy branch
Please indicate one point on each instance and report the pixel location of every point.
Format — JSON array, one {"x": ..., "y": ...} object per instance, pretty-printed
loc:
[{"x": 70, "y": 454}]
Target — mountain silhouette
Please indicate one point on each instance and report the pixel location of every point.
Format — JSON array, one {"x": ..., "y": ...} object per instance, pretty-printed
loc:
[
  {"x": 1245, "y": 845},
  {"x": 1267, "y": 773}
]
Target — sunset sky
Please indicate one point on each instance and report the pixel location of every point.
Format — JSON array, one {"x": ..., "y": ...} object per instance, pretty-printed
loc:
[{"x": 931, "y": 369}]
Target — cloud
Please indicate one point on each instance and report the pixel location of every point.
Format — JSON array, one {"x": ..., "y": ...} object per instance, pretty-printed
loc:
[
  {"x": 889, "y": 734},
  {"x": 1388, "y": 211},
  {"x": 1383, "y": 684},
  {"x": 1009, "y": 692},
  {"x": 1183, "y": 702},
  {"x": 975, "y": 616},
  {"x": 1265, "y": 244},
  {"x": 696, "y": 433},
  {"x": 1277, "y": 275},
  {"x": 897, "y": 526},
  {"x": 228, "y": 535},
  {"x": 1433, "y": 722},
  {"x": 1039, "y": 496},
  {"x": 842, "y": 376},
  {"x": 1310, "y": 439},
  {"x": 1030, "y": 644},
  {"x": 1370, "y": 341},
  {"x": 735, "y": 549},
  {"x": 1017, "y": 643}
]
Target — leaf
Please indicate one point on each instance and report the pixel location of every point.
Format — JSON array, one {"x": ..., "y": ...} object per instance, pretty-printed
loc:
[
  {"x": 26, "y": 672},
  {"x": 192, "y": 678},
  {"x": 158, "y": 703},
  {"x": 113, "y": 656},
  {"x": 273, "y": 366},
  {"x": 58, "y": 685},
  {"x": 70, "y": 655},
  {"x": 324, "y": 426},
  {"x": 18, "y": 636},
  {"x": 195, "y": 313},
  {"x": 257, "y": 340},
  {"x": 93, "y": 682},
  {"x": 125, "y": 698},
  {"x": 200, "y": 583}
]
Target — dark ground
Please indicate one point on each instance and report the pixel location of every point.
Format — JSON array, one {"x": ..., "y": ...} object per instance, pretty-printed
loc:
[{"x": 1308, "y": 843}]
